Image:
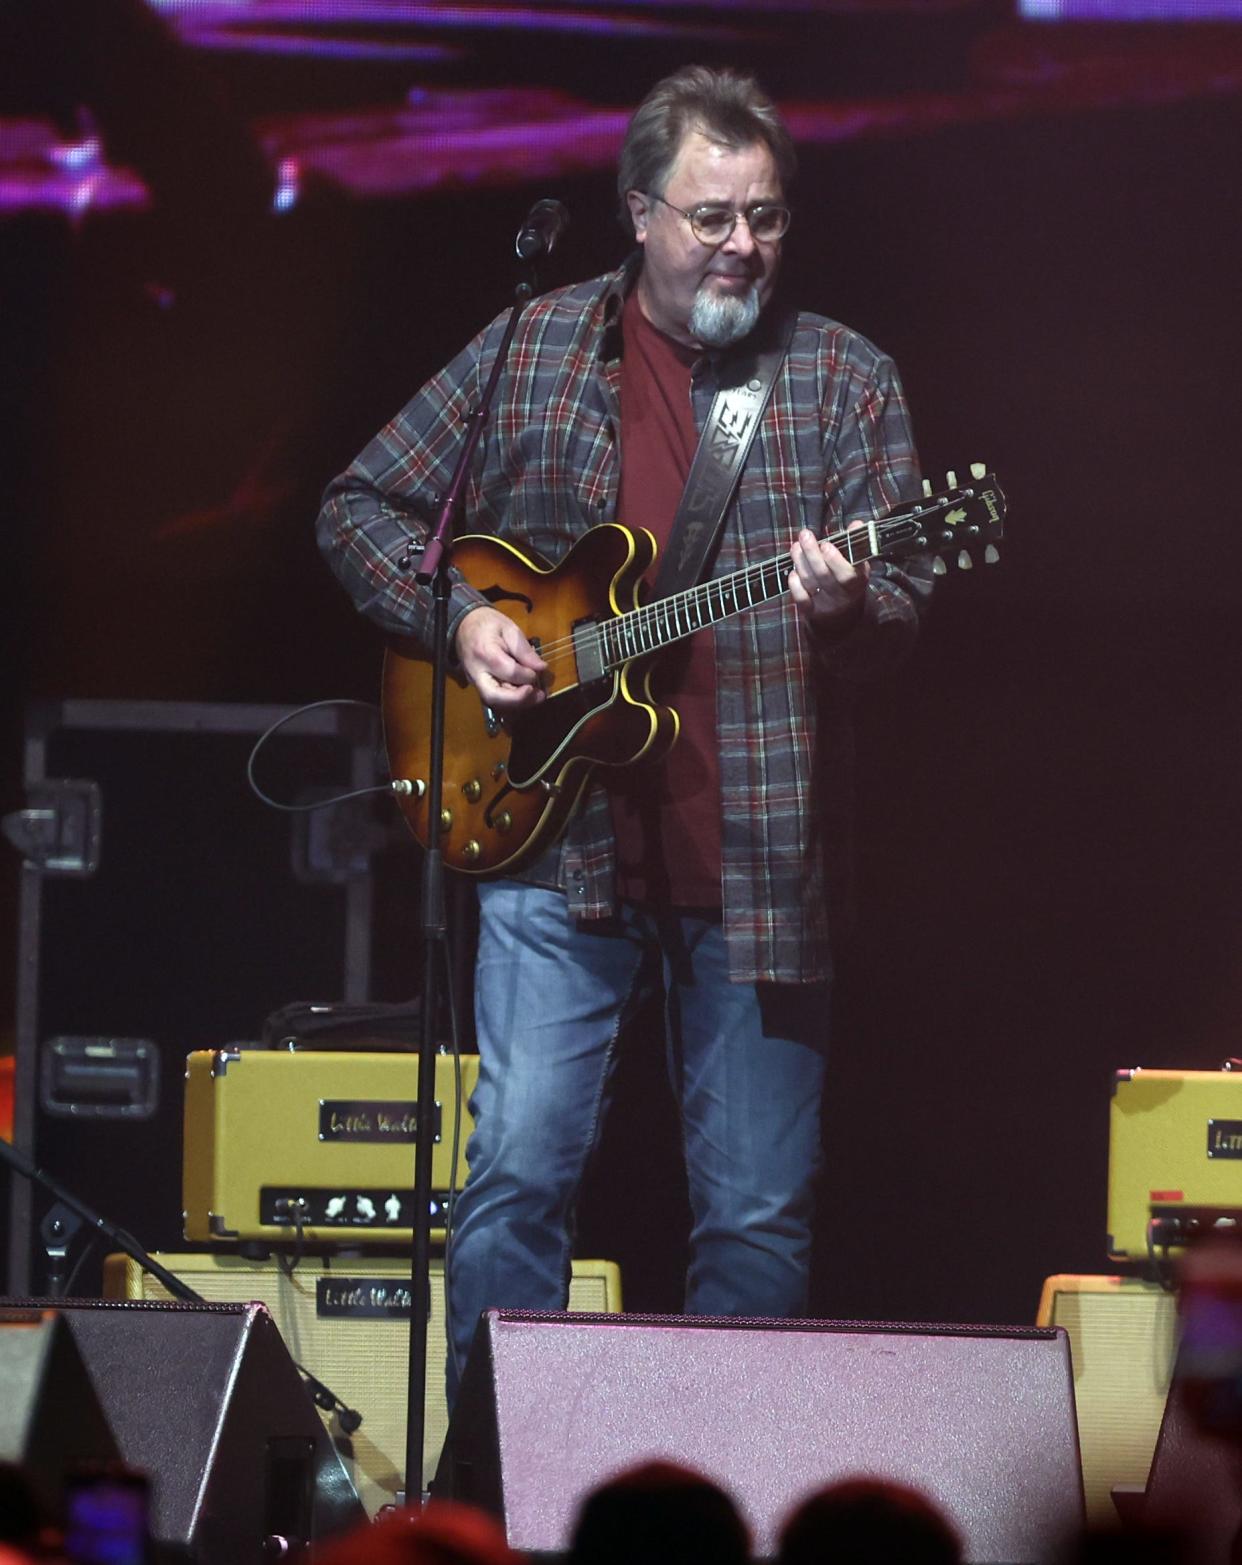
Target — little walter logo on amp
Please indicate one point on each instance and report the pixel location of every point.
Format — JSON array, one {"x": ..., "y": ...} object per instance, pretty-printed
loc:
[{"x": 1224, "y": 1138}]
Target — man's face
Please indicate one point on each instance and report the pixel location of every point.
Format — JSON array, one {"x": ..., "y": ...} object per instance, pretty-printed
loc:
[{"x": 698, "y": 293}]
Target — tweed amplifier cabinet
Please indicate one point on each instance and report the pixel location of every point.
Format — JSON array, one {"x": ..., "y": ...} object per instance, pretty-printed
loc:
[
  {"x": 272, "y": 1137},
  {"x": 1174, "y": 1158},
  {"x": 347, "y": 1321},
  {"x": 1123, "y": 1342}
]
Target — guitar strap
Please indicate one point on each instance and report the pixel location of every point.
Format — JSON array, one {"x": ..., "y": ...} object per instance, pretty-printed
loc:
[{"x": 724, "y": 445}]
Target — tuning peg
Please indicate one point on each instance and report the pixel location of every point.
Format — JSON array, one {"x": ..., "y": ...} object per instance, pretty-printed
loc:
[
  {"x": 939, "y": 568},
  {"x": 991, "y": 554},
  {"x": 927, "y": 488},
  {"x": 978, "y": 470},
  {"x": 951, "y": 479},
  {"x": 964, "y": 561}
]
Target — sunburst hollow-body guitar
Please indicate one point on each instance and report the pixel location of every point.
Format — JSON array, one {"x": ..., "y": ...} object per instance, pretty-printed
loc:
[{"x": 512, "y": 782}]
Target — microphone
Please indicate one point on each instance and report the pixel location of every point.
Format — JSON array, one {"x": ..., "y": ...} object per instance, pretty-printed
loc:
[{"x": 546, "y": 221}]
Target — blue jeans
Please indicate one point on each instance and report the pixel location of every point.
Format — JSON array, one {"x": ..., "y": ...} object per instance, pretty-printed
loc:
[{"x": 746, "y": 1061}]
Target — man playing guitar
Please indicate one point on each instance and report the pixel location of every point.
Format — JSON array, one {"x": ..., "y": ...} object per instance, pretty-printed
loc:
[{"x": 717, "y": 872}]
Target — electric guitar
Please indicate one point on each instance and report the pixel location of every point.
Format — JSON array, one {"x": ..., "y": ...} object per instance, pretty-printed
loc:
[{"x": 512, "y": 782}]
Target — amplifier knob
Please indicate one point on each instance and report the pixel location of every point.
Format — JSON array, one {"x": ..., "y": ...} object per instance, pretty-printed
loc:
[{"x": 473, "y": 790}]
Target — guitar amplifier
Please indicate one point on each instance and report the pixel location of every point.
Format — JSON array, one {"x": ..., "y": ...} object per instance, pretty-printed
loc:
[
  {"x": 1123, "y": 1341},
  {"x": 347, "y": 1320},
  {"x": 1174, "y": 1159},
  {"x": 315, "y": 1145}
]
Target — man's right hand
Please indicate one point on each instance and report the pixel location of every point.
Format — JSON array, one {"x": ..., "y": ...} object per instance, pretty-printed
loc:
[{"x": 499, "y": 661}]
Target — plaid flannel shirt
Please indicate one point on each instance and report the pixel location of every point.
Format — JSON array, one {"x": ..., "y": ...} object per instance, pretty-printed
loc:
[{"x": 834, "y": 445}]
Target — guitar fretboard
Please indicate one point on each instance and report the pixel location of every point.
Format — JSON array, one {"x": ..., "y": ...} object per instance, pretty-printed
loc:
[{"x": 681, "y": 614}]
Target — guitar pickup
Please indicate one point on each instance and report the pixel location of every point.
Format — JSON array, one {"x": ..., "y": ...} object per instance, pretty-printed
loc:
[{"x": 589, "y": 652}]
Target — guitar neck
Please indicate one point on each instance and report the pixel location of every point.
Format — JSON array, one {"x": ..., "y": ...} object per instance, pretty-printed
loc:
[{"x": 681, "y": 614}]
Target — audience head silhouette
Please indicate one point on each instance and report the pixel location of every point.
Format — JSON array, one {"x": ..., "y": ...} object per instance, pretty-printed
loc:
[
  {"x": 659, "y": 1514},
  {"x": 868, "y": 1521}
]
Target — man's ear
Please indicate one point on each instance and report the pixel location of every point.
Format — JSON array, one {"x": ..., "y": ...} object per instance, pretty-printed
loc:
[{"x": 640, "y": 210}]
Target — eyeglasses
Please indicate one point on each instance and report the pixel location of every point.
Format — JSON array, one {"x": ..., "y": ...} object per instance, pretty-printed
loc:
[{"x": 712, "y": 224}]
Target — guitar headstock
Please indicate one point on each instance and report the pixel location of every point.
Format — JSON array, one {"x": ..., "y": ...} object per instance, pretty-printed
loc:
[{"x": 959, "y": 524}]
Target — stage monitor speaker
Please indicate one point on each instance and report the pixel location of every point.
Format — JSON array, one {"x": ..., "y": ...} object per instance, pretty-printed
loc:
[
  {"x": 50, "y": 1417},
  {"x": 980, "y": 1419},
  {"x": 1123, "y": 1338},
  {"x": 347, "y": 1319},
  {"x": 206, "y": 1399}
]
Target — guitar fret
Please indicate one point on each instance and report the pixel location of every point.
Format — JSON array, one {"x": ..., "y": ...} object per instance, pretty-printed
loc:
[{"x": 651, "y": 626}]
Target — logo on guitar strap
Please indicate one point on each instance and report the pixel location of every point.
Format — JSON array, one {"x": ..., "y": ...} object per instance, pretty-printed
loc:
[{"x": 717, "y": 463}]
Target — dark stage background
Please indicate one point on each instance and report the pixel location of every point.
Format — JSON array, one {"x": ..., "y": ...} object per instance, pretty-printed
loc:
[{"x": 235, "y": 238}]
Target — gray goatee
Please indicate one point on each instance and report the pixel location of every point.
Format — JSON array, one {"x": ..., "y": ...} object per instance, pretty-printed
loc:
[{"x": 718, "y": 320}]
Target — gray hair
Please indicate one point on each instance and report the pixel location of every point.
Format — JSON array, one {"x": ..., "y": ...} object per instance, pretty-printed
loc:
[{"x": 723, "y": 105}]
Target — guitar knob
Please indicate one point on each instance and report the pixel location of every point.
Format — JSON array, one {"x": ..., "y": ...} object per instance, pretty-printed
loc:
[
  {"x": 473, "y": 790},
  {"x": 446, "y": 819},
  {"x": 504, "y": 822},
  {"x": 951, "y": 479},
  {"x": 991, "y": 554},
  {"x": 939, "y": 568},
  {"x": 927, "y": 489},
  {"x": 978, "y": 470},
  {"x": 964, "y": 561},
  {"x": 472, "y": 851}
]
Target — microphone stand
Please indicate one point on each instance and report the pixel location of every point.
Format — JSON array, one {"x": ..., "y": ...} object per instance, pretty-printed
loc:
[
  {"x": 118, "y": 1236},
  {"x": 434, "y": 571},
  {"x": 322, "y": 1395}
]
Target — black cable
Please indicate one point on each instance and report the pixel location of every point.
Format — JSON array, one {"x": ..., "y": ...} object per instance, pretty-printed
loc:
[
  {"x": 297, "y": 1208},
  {"x": 85, "y": 1250},
  {"x": 323, "y": 1396},
  {"x": 1159, "y": 1269},
  {"x": 317, "y": 804}
]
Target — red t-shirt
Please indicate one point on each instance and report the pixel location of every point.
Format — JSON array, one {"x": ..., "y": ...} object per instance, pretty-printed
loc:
[{"x": 666, "y": 814}]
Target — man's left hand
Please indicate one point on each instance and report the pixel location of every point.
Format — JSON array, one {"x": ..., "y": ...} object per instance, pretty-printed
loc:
[{"x": 826, "y": 587}]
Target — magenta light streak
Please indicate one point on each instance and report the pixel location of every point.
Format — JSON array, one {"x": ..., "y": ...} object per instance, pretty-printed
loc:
[
  {"x": 41, "y": 173},
  {"x": 1131, "y": 10},
  {"x": 189, "y": 16},
  {"x": 223, "y": 38}
]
